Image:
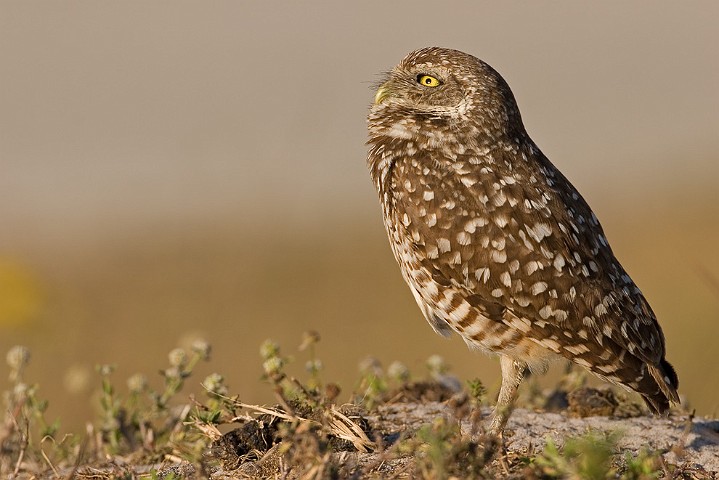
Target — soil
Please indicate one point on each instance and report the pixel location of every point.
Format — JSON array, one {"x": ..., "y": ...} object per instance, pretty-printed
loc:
[{"x": 267, "y": 446}]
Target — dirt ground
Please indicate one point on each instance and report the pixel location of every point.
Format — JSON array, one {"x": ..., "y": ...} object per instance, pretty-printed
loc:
[
  {"x": 428, "y": 432},
  {"x": 690, "y": 445}
]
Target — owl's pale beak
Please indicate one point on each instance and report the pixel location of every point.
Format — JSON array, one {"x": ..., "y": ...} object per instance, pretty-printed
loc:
[{"x": 382, "y": 94}]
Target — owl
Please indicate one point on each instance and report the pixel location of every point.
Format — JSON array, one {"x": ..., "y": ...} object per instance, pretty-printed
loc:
[{"x": 495, "y": 243}]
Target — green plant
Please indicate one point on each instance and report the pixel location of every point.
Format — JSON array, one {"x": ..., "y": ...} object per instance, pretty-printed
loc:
[
  {"x": 146, "y": 417},
  {"x": 373, "y": 382},
  {"x": 25, "y": 428},
  {"x": 441, "y": 451},
  {"x": 646, "y": 465},
  {"x": 586, "y": 457},
  {"x": 477, "y": 390}
]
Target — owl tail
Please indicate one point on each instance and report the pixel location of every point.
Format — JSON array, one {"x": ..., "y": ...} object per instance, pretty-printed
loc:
[{"x": 667, "y": 381}]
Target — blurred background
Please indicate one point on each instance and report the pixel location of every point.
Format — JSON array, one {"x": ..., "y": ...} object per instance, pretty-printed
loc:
[{"x": 172, "y": 170}]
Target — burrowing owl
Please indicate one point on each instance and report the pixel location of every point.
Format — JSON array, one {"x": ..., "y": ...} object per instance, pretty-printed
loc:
[{"x": 494, "y": 242}]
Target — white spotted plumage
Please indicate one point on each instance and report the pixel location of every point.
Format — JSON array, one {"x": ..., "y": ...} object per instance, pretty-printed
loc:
[{"x": 495, "y": 243}]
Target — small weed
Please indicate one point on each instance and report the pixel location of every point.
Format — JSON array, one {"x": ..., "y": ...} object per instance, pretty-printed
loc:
[
  {"x": 477, "y": 390},
  {"x": 587, "y": 457},
  {"x": 147, "y": 418},
  {"x": 373, "y": 382},
  {"x": 442, "y": 451},
  {"x": 146, "y": 425},
  {"x": 25, "y": 427},
  {"x": 647, "y": 465}
]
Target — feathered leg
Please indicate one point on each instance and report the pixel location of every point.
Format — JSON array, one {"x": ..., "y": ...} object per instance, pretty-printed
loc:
[{"x": 512, "y": 374}]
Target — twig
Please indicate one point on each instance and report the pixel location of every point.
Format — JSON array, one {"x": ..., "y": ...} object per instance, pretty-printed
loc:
[
  {"x": 25, "y": 439},
  {"x": 78, "y": 460},
  {"x": 44, "y": 455}
]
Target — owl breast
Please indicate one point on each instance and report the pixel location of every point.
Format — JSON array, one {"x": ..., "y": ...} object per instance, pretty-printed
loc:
[{"x": 437, "y": 217}]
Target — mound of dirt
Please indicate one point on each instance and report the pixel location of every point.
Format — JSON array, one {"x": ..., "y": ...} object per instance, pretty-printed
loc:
[{"x": 689, "y": 445}]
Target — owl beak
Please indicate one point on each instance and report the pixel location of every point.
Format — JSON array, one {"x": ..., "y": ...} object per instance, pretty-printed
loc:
[{"x": 382, "y": 94}]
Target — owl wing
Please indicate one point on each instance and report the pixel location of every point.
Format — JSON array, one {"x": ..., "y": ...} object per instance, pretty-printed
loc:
[{"x": 521, "y": 243}]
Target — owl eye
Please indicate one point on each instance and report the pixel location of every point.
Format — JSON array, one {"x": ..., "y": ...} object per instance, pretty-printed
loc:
[{"x": 428, "y": 80}]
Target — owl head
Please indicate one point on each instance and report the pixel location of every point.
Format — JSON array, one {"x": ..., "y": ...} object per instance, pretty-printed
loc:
[{"x": 439, "y": 87}]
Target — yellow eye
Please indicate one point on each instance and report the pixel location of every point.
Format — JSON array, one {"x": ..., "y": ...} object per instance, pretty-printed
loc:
[{"x": 427, "y": 80}]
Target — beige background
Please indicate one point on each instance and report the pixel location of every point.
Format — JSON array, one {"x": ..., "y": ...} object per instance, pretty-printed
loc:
[{"x": 181, "y": 168}]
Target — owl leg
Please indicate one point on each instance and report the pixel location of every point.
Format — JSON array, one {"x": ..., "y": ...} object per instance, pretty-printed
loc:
[{"x": 512, "y": 373}]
